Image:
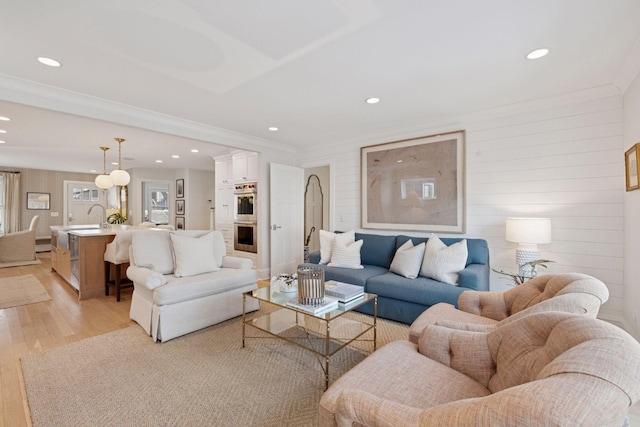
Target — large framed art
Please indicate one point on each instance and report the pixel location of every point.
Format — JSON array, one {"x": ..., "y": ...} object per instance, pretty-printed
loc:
[{"x": 415, "y": 184}]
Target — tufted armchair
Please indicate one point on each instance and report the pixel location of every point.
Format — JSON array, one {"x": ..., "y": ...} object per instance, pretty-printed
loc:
[
  {"x": 545, "y": 369},
  {"x": 569, "y": 292},
  {"x": 19, "y": 247}
]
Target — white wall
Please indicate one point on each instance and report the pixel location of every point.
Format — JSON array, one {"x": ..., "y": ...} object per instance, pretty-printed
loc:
[
  {"x": 632, "y": 214},
  {"x": 560, "y": 159}
]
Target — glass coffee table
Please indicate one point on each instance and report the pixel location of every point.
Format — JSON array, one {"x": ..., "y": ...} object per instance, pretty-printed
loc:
[{"x": 322, "y": 334}]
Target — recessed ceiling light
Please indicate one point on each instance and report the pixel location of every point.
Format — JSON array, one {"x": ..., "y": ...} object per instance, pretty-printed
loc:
[
  {"x": 93, "y": 171},
  {"x": 158, "y": 161},
  {"x": 538, "y": 53},
  {"x": 3, "y": 131},
  {"x": 372, "y": 100},
  {"x": 195, "y": 151},
  {"x": 3, "y": 142},
  {"x": 49, "y": 61},
  {"x": 4, "y": 119},
  {"x": 114, "y": 163},
  {"x": 273, "y": 129},
  {"x": 175, "y": 156}
]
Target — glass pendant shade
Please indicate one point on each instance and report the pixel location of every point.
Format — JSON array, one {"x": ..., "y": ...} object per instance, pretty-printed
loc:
[
  {"x": 103, "y": 181},
  {"x": 119, "y": 176}
]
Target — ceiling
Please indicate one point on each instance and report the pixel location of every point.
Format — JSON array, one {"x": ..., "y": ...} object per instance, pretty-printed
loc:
[{"x": 225, "y": 71}]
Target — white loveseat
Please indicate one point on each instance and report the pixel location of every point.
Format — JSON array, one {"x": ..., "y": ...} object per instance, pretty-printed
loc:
[{"x": 184, "y": 281}]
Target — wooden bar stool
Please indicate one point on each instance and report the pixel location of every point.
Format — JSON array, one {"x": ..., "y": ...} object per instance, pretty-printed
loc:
[{"x": 117, "y": 255}]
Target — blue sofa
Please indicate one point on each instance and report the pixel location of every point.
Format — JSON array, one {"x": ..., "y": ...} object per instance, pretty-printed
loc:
[{"x": 403, "y": 299}]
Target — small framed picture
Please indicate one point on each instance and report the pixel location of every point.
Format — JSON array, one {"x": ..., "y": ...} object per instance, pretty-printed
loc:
[
  {"x": 179, "y": 207},
  {"x": 179, "y": 188},
  {"x": 631, "y": 161},
  {"x": 179, "y": 223}
]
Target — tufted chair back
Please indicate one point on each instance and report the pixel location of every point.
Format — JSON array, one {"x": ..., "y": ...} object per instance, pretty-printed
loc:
[{"x": 558, "y": 292}]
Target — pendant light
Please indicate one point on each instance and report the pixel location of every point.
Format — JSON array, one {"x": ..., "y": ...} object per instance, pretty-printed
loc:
[
  {"x": 119, "y": 176},
  {"x": 104, "y": 181}
]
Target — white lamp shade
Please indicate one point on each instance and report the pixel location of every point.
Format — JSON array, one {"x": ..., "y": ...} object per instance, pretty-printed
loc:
[
  {"x": 529, "y": 230},
  {"x": 119, "y": 177},
  {"x": 104, "y": 182}
]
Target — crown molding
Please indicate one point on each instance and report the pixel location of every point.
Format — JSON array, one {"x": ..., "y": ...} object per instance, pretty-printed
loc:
[{"x": 47, "y": 97}]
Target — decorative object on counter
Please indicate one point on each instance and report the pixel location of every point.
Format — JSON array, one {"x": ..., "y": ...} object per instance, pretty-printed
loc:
[
  {"x": 528, "y": 233},
  {"x": 103, "y": 181},
  {"x": 116, "y": 218},
  {"x": 285, "y": 282},
  {"x": 519, "y": 278},
  {"x": 119, "y": 176},
  {"x": 311, "y": 285}
]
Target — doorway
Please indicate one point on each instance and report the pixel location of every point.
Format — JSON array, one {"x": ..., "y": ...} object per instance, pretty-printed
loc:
[
  {"x": 155, "y": 202},
  {"x": 79, "y": 196}
]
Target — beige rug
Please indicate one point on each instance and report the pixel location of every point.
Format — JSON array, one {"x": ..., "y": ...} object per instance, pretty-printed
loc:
[
  {"x": 201, "y": 379},
  {"x": 21, "y": 290}
]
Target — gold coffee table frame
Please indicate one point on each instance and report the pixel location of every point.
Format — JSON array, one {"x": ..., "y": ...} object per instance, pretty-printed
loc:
[{"x": 323, "y": 335}]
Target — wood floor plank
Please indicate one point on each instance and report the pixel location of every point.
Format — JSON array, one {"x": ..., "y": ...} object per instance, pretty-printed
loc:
[{"x": 38, "y": 327}]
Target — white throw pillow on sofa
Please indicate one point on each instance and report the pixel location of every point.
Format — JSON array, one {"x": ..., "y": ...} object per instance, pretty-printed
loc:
[
  {"x": 408, "y": 259},
  {"x": 346, "y": 256},
  {"x": 327, "y": 240},
  {"x": 152, "y": 250},
  {"x": 442, "y": 262},
  {"x": 194, "y": 255}
]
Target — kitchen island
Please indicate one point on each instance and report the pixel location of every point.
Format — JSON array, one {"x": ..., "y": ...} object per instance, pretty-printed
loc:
[{"x": 77, "y": 255}]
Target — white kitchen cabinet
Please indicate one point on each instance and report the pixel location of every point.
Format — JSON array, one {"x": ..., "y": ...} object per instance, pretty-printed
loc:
[
  {"x": 245, "y": 167},
  {"x": 223, "y": 170}
]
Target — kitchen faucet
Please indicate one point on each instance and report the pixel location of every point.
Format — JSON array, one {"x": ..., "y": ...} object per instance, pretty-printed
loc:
[{"x": 104, "y": 214}]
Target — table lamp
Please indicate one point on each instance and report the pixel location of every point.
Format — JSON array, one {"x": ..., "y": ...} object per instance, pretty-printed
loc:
[{"x": 528, "y": 233}]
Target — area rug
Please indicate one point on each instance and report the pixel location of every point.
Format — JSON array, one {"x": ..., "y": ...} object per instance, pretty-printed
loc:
[
  {"x": 204, "y": 378},
  {"x": 21, "y": 290}
]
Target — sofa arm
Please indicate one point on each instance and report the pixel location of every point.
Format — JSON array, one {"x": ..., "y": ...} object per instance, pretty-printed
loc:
[
  {"x": 356, "y": 407},
  {"x": 314, "y": 257},
  {"x": 237, "y": 263},
  {"x": 475, "y": 277},
  {"x": 486, "y": 304},
  {"x": 143, "y": 276},
  {"x": 464, "y": 351}
]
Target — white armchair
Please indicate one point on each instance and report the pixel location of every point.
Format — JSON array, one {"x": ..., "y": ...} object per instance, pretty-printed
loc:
[{"x": 19, "y": 248}]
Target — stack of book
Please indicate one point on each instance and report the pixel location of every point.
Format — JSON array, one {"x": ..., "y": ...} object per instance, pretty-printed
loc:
[
  {"x": 328, "y": 304},
  {"x": 346, "y": 293}
]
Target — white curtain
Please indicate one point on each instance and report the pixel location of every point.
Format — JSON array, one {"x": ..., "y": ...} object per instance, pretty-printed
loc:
[{"x": 11, "y": 202}]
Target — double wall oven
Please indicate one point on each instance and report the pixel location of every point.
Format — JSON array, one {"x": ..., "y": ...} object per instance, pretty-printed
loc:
[{"x": 245, "y": 230}]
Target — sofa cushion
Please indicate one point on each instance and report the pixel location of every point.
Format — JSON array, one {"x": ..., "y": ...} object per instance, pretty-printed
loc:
[
  {"x": 408, "y": 259},
  {"x": 346, "y": 255},
  {"x": 152, "y": 249},
  {"x": 478, "y": 250},
  {"x": 348, "y": 275},
  {"x": 421, "y": 290},
  {"x": 442, "y": 262},
  {"x": 377, "y": 250},
  {"x": 193, "y": 255},
  {"x": 220, "y": 248},
  {"x": 327, "y": 239},
  {"x": 180, "y": 289}
]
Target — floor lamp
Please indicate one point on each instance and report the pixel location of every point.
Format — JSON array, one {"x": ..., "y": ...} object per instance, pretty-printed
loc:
[{"x": 528, "y": 233}]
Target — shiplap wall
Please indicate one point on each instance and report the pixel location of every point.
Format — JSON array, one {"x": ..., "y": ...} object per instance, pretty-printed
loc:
[{"x": 562, "y": 162}]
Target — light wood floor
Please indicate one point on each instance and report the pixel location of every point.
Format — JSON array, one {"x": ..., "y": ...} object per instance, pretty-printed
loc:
[{"x": 36, "y": 327}]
